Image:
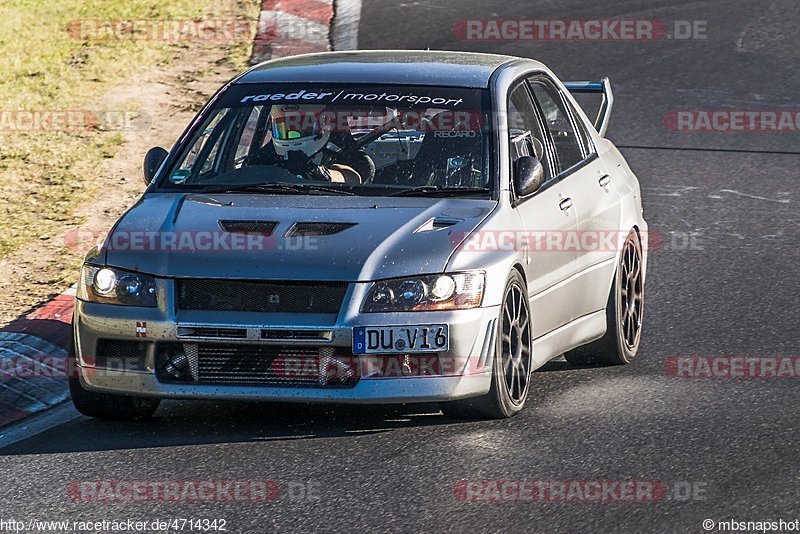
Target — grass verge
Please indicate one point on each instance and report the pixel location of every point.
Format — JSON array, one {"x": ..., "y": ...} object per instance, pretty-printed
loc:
[{"x": 58, "y": 60}]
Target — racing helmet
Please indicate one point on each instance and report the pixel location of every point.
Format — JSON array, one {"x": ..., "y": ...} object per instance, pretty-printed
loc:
[{"x": 298, "y": 128}]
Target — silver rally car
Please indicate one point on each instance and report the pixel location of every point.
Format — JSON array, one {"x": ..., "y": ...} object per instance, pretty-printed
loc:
[{"x": 368, "y": 227}]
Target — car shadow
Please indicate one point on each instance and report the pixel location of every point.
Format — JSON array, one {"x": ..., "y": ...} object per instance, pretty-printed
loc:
[
  {"x": 182, "y": 423},
  {"x": 560, "y": 364},
  {"x": 186, "y": 423}
]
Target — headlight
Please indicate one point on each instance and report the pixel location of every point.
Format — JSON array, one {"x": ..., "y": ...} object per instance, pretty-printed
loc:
[
  {"x": 115, "y": 286},
  {"x": 426, "y": 293}
]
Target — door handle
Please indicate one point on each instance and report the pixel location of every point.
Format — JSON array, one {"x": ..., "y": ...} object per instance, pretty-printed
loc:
[
  {"x": 565, "y": 204},
  {"x": 604, "y": 180}
]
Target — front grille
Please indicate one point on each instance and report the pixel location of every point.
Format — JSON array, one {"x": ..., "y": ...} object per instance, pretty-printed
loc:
[
  {"x": 239, "y": 364},
  {"x": 264, "y": 297},
  {"x": 188, "y": 331},
  {"x": 297, "y": 335},
  {"x": 120, "y": 355}
]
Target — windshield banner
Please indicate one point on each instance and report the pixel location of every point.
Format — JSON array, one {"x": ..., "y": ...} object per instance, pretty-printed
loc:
[{"x": 384, "y": 96}]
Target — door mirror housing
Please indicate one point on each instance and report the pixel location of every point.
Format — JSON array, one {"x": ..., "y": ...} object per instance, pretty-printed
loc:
[
  {"x": 528, "y": 175},
  {"x": 152, "y": 161}
]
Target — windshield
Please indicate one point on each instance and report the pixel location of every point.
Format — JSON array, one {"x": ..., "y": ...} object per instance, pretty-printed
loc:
[{"x": 376, "y": 141}]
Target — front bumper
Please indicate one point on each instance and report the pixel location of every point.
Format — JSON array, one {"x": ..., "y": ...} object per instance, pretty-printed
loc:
[
  {"x": 471, "y": 343},
  {"x": 367, "y": 391}
]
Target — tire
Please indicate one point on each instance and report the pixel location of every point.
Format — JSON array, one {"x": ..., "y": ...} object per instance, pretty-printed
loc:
[
  {"x": 511, "y": 365},
  {"x": 106, "y": 405},
  {"x": 109, "y": 406},
  {"x": 624, "y": 313}
]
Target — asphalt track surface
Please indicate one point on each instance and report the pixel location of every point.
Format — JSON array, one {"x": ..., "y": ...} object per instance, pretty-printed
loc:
[{"x": 723, "y": 284}]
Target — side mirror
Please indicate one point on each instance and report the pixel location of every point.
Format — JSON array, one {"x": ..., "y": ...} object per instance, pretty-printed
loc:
[
  {"x": 152, "y": 161},
  {"x": 528, "y": 175}
]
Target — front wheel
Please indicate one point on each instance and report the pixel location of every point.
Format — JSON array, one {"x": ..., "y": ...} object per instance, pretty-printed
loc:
[
  {"x": 109, "y": 406},
  {"x": 624, "y": 312},
  {"x": 511, "y": 369}
]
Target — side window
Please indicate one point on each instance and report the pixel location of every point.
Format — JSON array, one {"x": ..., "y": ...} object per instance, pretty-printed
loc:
[
  {"x": 582, "y": 133},
  {"x": 524, "y": 130},
  {"x": 202, "y": 140},
  {"x": 211, "y": 158},
  {"x": 246, "y": 140},
  {"x": 205, "y": 149},
  {"x": 565, "y": 138}
]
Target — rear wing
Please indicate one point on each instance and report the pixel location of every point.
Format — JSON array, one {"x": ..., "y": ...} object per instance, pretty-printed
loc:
[{"x": 602, "y": 87}]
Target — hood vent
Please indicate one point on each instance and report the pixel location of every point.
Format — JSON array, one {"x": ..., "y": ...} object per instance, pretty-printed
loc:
[
  {"x": 313, "y": 229},
  {"x": 434, "y": 224},
  {"x": 249, "y": 227}
]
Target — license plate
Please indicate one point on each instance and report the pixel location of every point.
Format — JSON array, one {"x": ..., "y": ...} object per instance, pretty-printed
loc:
[{"x": 400, "y": 339}]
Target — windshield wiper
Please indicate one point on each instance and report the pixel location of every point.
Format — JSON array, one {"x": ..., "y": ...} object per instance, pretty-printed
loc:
[
  {"x": 435, "y": 190},
  {"x": 275, "y": 188}
]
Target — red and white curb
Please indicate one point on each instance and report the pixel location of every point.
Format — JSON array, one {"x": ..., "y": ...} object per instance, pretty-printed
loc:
[
  {"x": 292, "y": 27},
  {"x": 33, "y": 359},
  {"x": 347, "y": 17}
]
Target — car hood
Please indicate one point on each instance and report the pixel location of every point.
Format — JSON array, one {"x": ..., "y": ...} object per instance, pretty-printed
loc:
[{"x": 184, "y": 235}]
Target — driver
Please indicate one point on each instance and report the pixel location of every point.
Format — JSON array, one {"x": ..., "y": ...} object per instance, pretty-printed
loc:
[{"x": 300, "y": 138}]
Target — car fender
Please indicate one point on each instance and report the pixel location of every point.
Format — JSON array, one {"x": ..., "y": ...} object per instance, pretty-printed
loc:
[{"x": 474, "y": 254}]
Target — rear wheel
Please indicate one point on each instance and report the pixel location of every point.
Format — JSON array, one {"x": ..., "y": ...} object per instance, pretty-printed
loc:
[
  {"x": 624, "y": 313},
  {"x": 511, "y": 368},
  {"x": 109, "y": 406}
]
